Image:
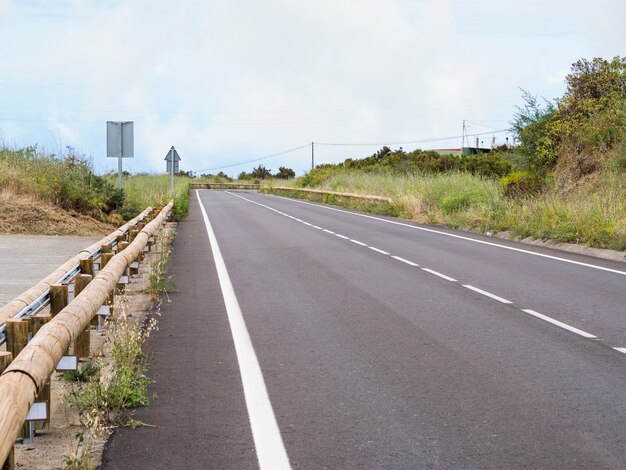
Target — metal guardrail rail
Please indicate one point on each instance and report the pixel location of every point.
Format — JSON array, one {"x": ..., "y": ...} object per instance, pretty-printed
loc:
[{"x": 44, "y": 299}]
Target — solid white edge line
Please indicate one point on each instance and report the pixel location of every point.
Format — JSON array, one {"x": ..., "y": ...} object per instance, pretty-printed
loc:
[
  {"x": 461, "y": 237},
  {"x": 373, "y": 248},
  {"x": 622, "y": 350},
  {"x": 405, "y": 261},
  {"x": 558, "y": 323},
  {"x": 315, "y": 226},
  {"x": 268, "y": 442},
  {"x": 358, "y": 242},
  {"x": 342, "y": 236},
  {"x": 436, "y": 273},
  {"x": 488, "y": 294},
  {"x": 328, "y": 231}
]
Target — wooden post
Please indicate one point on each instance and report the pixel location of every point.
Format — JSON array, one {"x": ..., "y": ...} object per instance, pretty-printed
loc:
[
  {"x": 17, "y": 330},
  {"x": 5, "y": 359},
  {"x": 58, "y": 298},
  {"x": 86, "y": 266},
  {"x": 133, "y": 235},
  {"x": 105, "y": 258},
  {"x": 140, "y": 226},
  {"x": 82, "y": 341},
  {"x": 121, "y": 287},
  {"x": 36, "y": 322},
  {"x": 120, "y": 239},
  {"x": 106, "y": 248},
  {"x": 17, "y": 335}
]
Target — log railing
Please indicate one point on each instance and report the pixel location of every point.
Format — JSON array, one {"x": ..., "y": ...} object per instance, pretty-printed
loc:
[{"x": 26, "y": 376}]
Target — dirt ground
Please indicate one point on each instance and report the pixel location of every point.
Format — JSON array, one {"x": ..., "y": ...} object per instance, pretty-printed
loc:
[
  {"x": 51, "y": 446},
  {"x": 22, "y": 214}
]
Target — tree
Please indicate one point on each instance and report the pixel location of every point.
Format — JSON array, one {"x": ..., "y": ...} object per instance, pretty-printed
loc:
[
  {"x": 261, "y": 172},
  {"x": 285, "y": 173}
]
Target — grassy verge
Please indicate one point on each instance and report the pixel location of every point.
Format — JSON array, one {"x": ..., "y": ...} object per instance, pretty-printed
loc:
[
  {"x": 593, "y": 214},
  {"x": 67, "y": 182},
  {"x": 142, "y": 191}
]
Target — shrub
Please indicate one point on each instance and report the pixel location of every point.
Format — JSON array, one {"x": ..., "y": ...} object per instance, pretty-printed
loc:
[{"x": 521, "y": 184}]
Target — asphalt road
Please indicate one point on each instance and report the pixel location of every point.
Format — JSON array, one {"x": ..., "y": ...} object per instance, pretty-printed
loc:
[{"x": 379, "y": 344}]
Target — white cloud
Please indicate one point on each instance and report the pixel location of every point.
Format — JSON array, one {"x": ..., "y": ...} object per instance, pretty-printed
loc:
[{"x": 229, "y": 81}]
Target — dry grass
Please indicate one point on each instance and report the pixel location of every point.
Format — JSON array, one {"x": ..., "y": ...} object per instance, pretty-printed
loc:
[{"x": 29, "y": 215}]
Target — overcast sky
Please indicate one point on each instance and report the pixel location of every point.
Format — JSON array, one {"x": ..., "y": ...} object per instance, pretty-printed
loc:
[{"x": 231, "y": 81}]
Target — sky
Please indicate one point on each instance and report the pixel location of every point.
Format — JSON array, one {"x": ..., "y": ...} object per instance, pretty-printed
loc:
[{"x": 233, "y": 81}]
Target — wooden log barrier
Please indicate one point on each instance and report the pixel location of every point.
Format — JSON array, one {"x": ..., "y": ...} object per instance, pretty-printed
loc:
[
  {"x": 27, "y": 297},
  {"x": 25, "y": 377}
]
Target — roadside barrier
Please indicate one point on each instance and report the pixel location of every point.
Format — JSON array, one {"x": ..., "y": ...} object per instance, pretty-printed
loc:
[
  {"x": 35, "y": 298},
  {"x": 27, "y": 376},
  {"x": 375, "y": 204},
  {"x": 363, "y": 197},
  {"x": 224, "y": 186}
]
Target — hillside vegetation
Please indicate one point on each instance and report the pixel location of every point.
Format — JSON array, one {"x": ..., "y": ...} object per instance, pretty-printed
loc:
[
  {"x": 566, "y": 181},
  {"x": 52, "y": 195}
]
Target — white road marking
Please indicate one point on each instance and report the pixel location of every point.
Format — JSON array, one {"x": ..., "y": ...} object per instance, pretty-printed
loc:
[
  {"x": 436, "y": 273},
  {"x": 329, "y": 231},
  {"x": 268, "y": 442},
  {"x": 488, "y": 294},
  {"x": 342, "y": 236},
  {"x": 405, "y": 261},
  {"x": 461, "y": 237},
  {"x": 561, "y": 324}
]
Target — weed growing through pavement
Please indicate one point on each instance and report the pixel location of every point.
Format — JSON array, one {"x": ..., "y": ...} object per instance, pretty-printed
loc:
[
  {"x": 78, "y": 457},
  {"x": 159, "y": 282},
  {"x": 114, "y": 387}
]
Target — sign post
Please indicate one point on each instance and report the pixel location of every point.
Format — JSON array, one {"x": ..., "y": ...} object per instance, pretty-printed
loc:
[
  {"x": 172, "y": 158},
  {"x": 119, "y": 143}
]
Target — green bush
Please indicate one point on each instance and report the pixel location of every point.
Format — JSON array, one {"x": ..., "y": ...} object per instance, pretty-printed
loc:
[{"x": 521, "y": 184}]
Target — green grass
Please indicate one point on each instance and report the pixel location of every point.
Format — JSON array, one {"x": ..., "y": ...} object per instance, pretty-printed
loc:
[
  {"x": 142, "y": 191},
  {"x": 69, "y": 182},
  {"x": 592, "y": 214}
]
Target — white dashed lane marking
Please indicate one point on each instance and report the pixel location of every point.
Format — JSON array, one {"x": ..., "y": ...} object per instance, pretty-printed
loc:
[
  {"x": 405, "y": 261},
  {"x": 535, "y": 314},
  {"x": 488, "y": 294},
  {"x": 438, "y": 274},
  {"x": 565, "y": 326}
]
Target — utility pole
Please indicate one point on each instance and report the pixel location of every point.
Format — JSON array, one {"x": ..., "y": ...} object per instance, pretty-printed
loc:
[
  {"x": 312, "y": 155},
  {"x": 464, "y": 135}
]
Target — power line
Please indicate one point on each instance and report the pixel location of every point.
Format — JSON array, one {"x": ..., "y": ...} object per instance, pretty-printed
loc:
[
  {"x": 397, "y": 142},
  {"x": 256, "y": 159},
  {"x": 403, "y": 142}
]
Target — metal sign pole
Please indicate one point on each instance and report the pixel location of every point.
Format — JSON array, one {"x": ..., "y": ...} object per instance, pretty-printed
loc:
[
  {"x": 119, "y": 159},
  {"x": 172, "y": 167}
]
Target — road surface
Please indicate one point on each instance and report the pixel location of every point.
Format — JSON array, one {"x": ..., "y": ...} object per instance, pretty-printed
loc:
[{"x": 309, "y": 337}]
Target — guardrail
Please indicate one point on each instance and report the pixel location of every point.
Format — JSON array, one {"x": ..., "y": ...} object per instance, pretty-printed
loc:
[
  {"x": 26, "y": 376},
  {"x": 376, "y": 204},
  {"x": 224, "y": 186},
  {"x": 37, "y": 297},
  {"x": 322, "y": 192}
]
